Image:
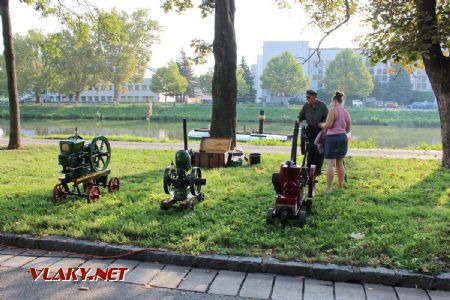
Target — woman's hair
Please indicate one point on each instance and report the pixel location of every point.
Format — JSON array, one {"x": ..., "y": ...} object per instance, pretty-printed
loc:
[{"x": 339, "y": 96}]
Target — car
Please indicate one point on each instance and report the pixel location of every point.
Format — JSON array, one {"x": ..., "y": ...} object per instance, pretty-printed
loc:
[
  {"x": 357, "y": 103},
  {"x": 391, "y": 104},
  {"x": 423, "y": 105}
]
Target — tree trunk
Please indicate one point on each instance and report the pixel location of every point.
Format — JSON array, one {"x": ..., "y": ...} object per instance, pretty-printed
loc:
[
  {"x": 224, "y": 91},
  {"x": 14, "y": 111},
  {"x": 437, "y": 67},
  {"x": 77, "y": 97},
  {"x": 116, "y": 94},
  {"x": 38, "y": 98}
]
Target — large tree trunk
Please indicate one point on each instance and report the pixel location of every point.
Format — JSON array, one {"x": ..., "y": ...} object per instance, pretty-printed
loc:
[
  {"x": 38, "y": 98},
  {"x": 14, "y": 112},
  {"x": 116, "y": 94},
  {"x": 224, "y": 91},
  {"x": 437, "y": 67},
  {"x": 77, "y": 97}
]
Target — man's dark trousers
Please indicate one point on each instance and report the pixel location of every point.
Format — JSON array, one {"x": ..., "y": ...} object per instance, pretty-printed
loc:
[{"x": 314, "y": 157}]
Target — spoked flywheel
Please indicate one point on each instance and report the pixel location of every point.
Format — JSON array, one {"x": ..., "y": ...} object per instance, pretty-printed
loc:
[
  {"x": 196, "y": 181},
  {"x": 99, "y": 153},
  {"x": 168, "y": 179}
]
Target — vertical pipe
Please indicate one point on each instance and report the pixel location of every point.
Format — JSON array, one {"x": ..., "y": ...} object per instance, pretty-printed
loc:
[
  {"x": 294, "y": 142},
  {"x": 185, "y": 135},
  {"x": 261, "y": 119}
]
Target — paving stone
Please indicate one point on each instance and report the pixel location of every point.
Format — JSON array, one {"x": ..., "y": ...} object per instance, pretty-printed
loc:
[
  {"x": 257, "y": 285},
  {"x": 198, "y": 280},
  {"x": 41, "y": 262},
  {"x": 349, "y": 291},
  {"x": 318, "y": 289},
  {"x": 5, "y": 257},
  {"x": 170, "y": 276},
  {"x": 287, "y": 288},
  {"x": 56, "y": 254},
  {"x": 443, "y": 282},
  {"x": 17, "y": 261},
  {"x": 377, "y": 275},
  {"x": 143, "y": 273},
  {"x": 125, "y": 263},
  {"x": 379, "y": 292},
  {"x": 227, "y": 283},
  {"x": 34, "y": 252},
  {"x": 97, "y": 263},
  {"x": 12, "y": 251},
  {"x": 411, "y": 294},
  {"x": 66, "y": 263},
  {"x": 439, "y": 295}
]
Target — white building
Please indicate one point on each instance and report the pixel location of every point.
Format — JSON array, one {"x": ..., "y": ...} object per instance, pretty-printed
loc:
[{"x": 315, "y": 68}]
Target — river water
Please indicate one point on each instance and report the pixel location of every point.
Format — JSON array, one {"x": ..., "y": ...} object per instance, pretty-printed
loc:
[{"x": 384, "y": 136}]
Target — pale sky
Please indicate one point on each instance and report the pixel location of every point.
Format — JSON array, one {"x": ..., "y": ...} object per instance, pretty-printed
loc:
[{"x": 256, "y": 21}]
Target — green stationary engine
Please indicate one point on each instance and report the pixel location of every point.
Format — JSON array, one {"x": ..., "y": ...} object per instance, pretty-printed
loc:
[
  {"x": 183, "y": 181},
  {"x": 86, "y": 164}
]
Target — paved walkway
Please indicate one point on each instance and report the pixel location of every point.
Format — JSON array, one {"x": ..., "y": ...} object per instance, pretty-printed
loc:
[
  {"x": 158, "y": 281},
  {"x": 388, "y": 153}
]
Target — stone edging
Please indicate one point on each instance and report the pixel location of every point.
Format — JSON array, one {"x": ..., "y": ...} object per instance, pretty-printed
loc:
[{"x": 331, "y": 272}]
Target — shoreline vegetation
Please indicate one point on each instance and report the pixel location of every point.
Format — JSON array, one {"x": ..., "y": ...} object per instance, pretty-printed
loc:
[
  {"x": 392, "y": 213},
  {"x": 202, "y": 112}
]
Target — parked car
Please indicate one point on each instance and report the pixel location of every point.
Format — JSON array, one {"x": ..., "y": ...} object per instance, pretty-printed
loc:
[
  {"x": 391, "y": 104},
  {"x": 423, "y": 105},
  {"x": 357, "y": 103}
]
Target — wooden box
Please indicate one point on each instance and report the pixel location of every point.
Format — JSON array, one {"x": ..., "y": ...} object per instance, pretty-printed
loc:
[{"x": 213, "y": 153}]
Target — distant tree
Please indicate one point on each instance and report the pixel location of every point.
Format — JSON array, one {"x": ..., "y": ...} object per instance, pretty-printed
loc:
[
  {"x": 423, "y": 96},
  {"x": 168, "y": 81},
  {"x": 75, "y": 64},
  {"x": 378, "y": 91},
  {"x": 399, "y": 87},
  {"x": 250, "y": 80},
  {"x": 284, "y": 76},
  {"x": 185, "y": 66},
  {"x": 243, "y": 89},
  {"x": 323, "y": 95},
  {"x": 124, "y": 46},
  {"x": 205, "y": 82},
  {"x": 347, "y": 72}
]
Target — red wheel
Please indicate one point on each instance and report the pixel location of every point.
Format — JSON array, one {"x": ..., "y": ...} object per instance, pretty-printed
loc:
[
  {"x": 59, "y": 193},
  {"x": 93, "y": 194},
  {"x": 311, "y": 181},
  {"x": 114, "y": 185}
]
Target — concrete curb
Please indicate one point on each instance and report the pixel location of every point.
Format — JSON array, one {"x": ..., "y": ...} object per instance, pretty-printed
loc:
[{"x": 330, "y": 272}]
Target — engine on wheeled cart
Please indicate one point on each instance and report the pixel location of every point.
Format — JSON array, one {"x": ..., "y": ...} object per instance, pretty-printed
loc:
[{"x": 84, "y": 164}]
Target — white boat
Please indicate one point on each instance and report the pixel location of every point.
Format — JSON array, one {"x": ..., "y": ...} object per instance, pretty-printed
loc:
[{"x": 241, "y": 136}]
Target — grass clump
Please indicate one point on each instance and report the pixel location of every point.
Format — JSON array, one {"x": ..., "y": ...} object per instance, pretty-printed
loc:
[{"x": 400, "y": 207}]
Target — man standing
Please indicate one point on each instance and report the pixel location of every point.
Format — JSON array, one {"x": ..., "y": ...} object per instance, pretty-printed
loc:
[{"x": 314, "y": 112}]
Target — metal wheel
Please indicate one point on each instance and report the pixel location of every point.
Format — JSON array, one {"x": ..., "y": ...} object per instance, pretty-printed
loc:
[
  {"x": 99, "y": 153},
  {"x": 114, "y": 185},
  {"x": 196, "y": 181},
  {"x": 59, "y": 193},
  {"x": 168, "y": 179},
  {"x": 270, "y": 218},
  {"x": 311, "y": 181},
  {"x": 93, "y": 194},
  {"x": 301, "y": 218}
]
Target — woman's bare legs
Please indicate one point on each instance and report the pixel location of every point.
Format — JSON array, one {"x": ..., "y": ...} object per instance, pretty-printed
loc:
[
  {"x": 340, "y": 172},
  {"x": 330, "y": 173}
]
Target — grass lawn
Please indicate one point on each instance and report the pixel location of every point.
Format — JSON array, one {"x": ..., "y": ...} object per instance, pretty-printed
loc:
[
  {"x": 401, "y": 206},
  {"x": 202, "y": 112}
]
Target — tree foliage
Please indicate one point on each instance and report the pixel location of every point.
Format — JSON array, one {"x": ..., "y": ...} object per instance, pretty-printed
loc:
[
  {"x": 399, "y": 88},
  {"x": 250, "y": 80},
  {"x": 348, "y": 73},
  {"x": 205, "y": 82},
  {"x": 243, "y": 89},
  {"x": 284, "y": 76},
  {"x": 168, "y": 80},
  {"x": 185, "y": 66}
]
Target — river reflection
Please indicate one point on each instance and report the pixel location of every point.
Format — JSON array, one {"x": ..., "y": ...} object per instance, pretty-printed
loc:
[{"x": 384, "y": 136}]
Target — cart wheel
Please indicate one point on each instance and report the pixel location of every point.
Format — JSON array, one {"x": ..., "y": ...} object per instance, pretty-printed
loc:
[
  {"x": 93, "y": 194},
  {"x": 311, "y": 181},
  {"x": 167, "y": 182},
  {"x": 162, "y": 206},
  {"x": 114, "y": 185},
  {"x": 270, "y": 218},
  {"x": 196, "y": 181},
  {"x": 301, "y": 218},
  {"x": 59, "y": 193}
]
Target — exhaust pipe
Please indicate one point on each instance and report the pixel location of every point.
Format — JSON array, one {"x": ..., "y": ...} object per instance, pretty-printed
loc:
[
  {"x": 185, "y": 135},
  {"x": 294, "y": 143}
]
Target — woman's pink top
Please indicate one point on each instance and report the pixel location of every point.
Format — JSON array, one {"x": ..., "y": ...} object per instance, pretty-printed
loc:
[{"x": 340, "y": 123}]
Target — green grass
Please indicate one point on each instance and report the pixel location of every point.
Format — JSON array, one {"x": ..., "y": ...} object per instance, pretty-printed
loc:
[
  {"x": 401, "y": 206},
  {"x": 202, "y": 112}
]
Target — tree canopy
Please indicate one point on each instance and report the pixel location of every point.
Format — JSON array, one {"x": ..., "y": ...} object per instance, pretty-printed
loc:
[
  {"x": 284, "y": 76},
  {"x": 250, "y": 80},
  {"x": 168, "y": 80},
  {"x": 347, "y": 72},
  {"x": 205, "y": 82},
  {"x": 399, "y": 88}
]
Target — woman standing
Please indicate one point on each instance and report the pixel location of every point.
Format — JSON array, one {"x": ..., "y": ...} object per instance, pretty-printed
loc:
[{"x": 336, "y": 142}]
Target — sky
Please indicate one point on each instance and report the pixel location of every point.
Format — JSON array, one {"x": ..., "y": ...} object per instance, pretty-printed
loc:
[{"x": 256, "y": 21}]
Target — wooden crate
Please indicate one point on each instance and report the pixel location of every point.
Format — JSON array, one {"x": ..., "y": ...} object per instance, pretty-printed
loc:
[{"x": 213, "y": 153}]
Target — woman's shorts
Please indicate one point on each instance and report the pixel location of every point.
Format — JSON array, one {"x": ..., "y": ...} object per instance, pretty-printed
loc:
[{"x": 336, "y": 146}]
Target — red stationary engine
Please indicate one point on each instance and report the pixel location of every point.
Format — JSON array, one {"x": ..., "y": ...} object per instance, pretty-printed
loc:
[{"x": 289, "y": 184}]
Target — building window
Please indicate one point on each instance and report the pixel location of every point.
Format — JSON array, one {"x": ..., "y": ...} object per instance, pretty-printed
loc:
[
  {"x": 123, "y": 98},
  {"x": 111, "y": 87},
  {"x": 130, "y": 98},
  {"x": 130, "y": 87},
  {"x": 110, "y": 98},
  {"x": 96, "y": 98},
  {"x": 136, "y": 98},
  {"x": 136, "y": 87},
  {"x": 83, "y": 98},
  {"x": 144, "y": 87},
  {"x": 90, "y": 98},
  {"x": 103, "y": 98}
]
